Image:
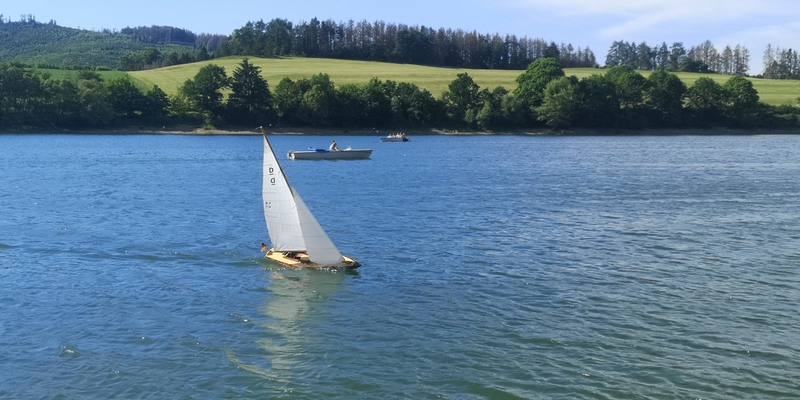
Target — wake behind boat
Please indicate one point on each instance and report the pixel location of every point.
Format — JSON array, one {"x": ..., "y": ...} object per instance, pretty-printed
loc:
[{"x": 297, "y": 238}]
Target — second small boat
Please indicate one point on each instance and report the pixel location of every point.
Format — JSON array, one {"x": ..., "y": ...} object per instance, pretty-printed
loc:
[{"x": 395, "y": 137}]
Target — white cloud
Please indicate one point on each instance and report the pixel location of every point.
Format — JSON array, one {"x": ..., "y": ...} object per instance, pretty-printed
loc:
[
  {"x": 632, "y": 16},
  {"x": 753, "y": 24}
]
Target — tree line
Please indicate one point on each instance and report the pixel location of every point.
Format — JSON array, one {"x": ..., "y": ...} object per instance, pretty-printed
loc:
[
  {"x": 152, "y": 58},
  {"x": 171, "y": 35},
  {"x": 623, "y": 98},
  {"x": 618, "y": 98},
  {"x": 161, "y": 35},
  {"x": 30, "y": 98},
  {"x": 781, "y": 63},
  {"x": 132, "y": 48},
  {"x": 413, "y": 44},
  {"x": 701, "y": 58}
]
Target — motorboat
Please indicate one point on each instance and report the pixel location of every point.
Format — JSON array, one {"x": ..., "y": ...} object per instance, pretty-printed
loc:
[
  {"x": 322, "y": 154},
  {"x": 395, "y": 137}
]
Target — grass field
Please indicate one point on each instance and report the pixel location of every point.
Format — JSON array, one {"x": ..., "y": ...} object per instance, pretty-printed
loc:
[{"x": 434, "y": 79}]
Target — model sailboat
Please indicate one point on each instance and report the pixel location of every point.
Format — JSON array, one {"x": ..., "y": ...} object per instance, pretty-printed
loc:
[{"x": 297, "y": 238}]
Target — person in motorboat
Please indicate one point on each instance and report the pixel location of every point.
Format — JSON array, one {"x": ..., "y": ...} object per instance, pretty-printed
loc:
[{"x": 333, "y": 146}]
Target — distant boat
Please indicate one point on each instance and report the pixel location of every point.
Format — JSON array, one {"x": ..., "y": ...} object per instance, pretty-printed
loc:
[
  {"x": 322, "y": 154},
  {"x": 297, "y": 238},
  {"x": 395, "y": 137}
]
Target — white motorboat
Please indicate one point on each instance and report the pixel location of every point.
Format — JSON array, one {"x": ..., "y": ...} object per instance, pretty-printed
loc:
[
  {"x": 395, "y": 137},
  {"x": 322, "y": 154}
]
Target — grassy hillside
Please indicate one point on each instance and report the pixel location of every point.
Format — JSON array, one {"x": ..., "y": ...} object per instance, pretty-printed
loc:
[
  {"x": 341, "y": 72},
  {"x": 432, "y": 78}
]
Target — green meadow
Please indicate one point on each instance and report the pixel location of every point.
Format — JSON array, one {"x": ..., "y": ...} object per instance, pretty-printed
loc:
[
  {"x": 342, "y": 72},
  {"x": 434, "y": 79}
]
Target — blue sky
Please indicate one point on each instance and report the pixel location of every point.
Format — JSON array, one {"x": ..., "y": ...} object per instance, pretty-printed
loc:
[{"x": 592, "y": 23}]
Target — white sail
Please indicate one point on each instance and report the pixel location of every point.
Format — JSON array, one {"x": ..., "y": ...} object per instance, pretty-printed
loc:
[
  {"x": 290, "y": 223},
  {"x": 319, "y": 246},
  {"x": 280, "y": 209}
]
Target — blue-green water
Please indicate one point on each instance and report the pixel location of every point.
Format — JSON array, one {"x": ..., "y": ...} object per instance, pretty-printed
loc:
[{"x": 494, "y": 267}]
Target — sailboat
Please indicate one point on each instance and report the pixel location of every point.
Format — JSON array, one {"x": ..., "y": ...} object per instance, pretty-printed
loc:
[{"x": 297, "y": 238}]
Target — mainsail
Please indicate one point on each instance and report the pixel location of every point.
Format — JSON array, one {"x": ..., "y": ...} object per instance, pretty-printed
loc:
[
  {"x": 279, "y": 207},
  {"x": 291, "y": 225}
]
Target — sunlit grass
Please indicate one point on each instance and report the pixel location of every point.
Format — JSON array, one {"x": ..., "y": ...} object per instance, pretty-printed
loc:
[
  {"x": 434, "y": 79},
  {"x": 341, "y": 72}
]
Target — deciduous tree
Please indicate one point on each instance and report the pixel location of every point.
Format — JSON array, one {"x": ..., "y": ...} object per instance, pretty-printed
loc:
[
  {"x": 462, "y": 97},
  {"x": 315, "y": 107},
  {"x": 204, "y": 92},
  {"x": 629, "y": 85},
  {"x": 288, "y": 97},
  {"x": 156, "y": 104},
  {"x": 561, "y": 104},
  {"x": 707, "y": 98},
  {"x": 599, "y": 105},
  {"x": 492, "y": 115},
  {"x": 125, "y": 97},
  {"x": 742, "y": 98},
  {"x": 537, "y": 76},
  {"x": 664, "y": 94}
]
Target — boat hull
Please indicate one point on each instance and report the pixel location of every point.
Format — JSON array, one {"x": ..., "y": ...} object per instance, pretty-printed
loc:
[
  {"x": 300, "y": 260},
  {"x": 387, "y": 139},
  {"x": 357, "y": 154}
]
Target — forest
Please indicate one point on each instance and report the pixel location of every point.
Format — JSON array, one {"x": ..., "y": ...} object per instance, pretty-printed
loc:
[
  {"x": 613, "y": 99},
  {"x": 616, "y": 97},
  {"x": 702, "y": 58},
  {"x": 138, "y": 48},
  {"x": 48, "y": 45},
  {"x": 400, "y": 43}
]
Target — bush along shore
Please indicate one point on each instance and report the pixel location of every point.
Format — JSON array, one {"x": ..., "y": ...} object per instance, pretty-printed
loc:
[{"x": 546, "y": 101}]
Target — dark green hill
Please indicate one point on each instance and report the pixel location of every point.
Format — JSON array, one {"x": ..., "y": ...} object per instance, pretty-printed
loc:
[{"x": 51, "y": 45}]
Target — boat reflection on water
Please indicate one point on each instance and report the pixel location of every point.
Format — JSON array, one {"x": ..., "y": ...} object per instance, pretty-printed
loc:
[
  {"x": 299, "y": 294},
  {"x": 297, "y": 298}
]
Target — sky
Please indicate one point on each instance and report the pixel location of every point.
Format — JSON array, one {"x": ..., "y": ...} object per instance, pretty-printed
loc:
[{"x": 594, "y": 23}]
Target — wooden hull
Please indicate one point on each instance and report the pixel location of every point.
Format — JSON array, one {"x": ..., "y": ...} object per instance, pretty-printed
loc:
[
  {"x": 300, "y": 260},
  {"x": 357, "y": 154}
]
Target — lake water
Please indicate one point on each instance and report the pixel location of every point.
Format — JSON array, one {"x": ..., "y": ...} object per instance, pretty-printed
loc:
[{"x": 497, "y": 267}]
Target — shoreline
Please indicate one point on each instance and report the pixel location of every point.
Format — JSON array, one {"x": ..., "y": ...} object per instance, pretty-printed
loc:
[{"x": 309, "y": 131}]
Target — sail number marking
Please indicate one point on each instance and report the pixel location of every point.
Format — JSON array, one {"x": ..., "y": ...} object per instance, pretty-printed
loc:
[{"x": 271, "y": 173}]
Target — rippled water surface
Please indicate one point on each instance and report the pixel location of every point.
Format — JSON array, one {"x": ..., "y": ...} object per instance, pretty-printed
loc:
[{"x": 494, "y": 267}]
